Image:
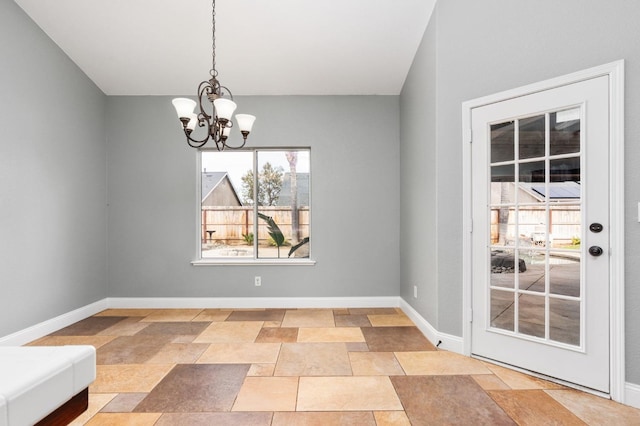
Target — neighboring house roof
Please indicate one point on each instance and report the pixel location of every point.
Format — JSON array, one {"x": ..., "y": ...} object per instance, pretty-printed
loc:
[
  {"x": 303, "y": 190},
  {"x": 557, "y": 190},
  {"x": 212, "y": 180}
]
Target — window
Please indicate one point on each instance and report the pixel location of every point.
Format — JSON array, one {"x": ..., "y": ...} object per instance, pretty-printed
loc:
[{"x": 255, "y": 205}]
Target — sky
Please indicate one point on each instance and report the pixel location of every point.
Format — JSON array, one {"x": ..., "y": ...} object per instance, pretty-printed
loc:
[{"x": 237, "y": 163}]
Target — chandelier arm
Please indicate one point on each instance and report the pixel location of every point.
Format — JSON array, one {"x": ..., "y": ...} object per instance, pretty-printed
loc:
[
  {"x": 202, "y": 122},
  {"x": 244, "y": 142},
  {"x": 228, "y": 91},
  {"x": 195, "y": 143}
]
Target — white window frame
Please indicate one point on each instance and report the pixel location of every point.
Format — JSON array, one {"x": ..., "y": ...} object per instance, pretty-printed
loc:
[{"x": 222, "y": 261}]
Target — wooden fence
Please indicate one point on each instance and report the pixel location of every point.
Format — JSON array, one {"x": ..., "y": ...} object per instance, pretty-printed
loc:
[
  {"x": 564, "y": 224},
  {"x": 227, "y": 225}
]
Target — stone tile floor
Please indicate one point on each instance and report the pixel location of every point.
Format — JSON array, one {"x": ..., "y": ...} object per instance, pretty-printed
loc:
[{"x": 305, "y": 367}]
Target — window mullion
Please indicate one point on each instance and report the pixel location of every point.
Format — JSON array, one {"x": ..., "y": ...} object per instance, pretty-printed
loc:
[{"x": 255, "y": 204}]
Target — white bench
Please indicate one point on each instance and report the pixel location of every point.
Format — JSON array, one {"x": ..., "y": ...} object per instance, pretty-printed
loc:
[{"x": 44, "y": 382}]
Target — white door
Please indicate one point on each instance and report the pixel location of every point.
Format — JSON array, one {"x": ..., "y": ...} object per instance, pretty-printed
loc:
[{"x": 540, "y": 239}]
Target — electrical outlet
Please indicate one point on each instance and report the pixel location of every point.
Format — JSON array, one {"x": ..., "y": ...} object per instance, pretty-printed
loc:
[
  {"x": 415, "y": 291},
  {"x": 258, "y": 281}
]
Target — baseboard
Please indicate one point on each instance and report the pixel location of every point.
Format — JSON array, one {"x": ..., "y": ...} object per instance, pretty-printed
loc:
[
  {"x": 54, "y": 324},
  {"x": 253, "y": 302},
  {"x": 632, "y": 395},
  {"x": 447, "y": 341}
]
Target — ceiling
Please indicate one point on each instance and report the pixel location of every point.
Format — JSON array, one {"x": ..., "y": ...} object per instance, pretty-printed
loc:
[{"x": 263, "y": 47}]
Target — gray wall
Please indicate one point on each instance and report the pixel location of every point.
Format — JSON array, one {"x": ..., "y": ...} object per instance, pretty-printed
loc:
[
  {"x": 355, "y": 203},
  {"x": 52, "y": 179},
  {"x": 483, "y": 48},
  {"x": 418, "y": 150}
]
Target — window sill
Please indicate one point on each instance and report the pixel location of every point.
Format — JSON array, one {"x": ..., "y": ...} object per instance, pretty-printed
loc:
[{"x": 252, "y": 262}]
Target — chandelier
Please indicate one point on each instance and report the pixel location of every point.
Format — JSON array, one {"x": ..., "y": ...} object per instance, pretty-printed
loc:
[{"x": 218, "y": 123}]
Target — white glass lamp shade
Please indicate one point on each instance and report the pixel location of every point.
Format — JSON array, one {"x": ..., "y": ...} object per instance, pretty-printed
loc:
[
  {"x": 224, "y": 108},
  {"x": 245, "y": 122},
  {"x": 226, "y": 131},
  {"x": 184, "y": 107},
  {"x": 193, "y": 122}
]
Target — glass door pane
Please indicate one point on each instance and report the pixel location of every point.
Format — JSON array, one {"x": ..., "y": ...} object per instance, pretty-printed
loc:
[{"x": 535, "y": 215}]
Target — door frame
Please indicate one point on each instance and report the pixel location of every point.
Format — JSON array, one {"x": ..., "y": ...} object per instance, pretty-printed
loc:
[{"x": 615, "y": 71}]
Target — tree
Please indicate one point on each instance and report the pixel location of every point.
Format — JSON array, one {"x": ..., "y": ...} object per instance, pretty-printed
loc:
[
  {"x": 269, "y": 185},
  {"x": 247, "y": 188},
  {"x": 292, "y": 158}
]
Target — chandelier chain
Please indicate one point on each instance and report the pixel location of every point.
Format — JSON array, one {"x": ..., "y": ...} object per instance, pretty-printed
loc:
[{"x": 213, "y": 72}]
